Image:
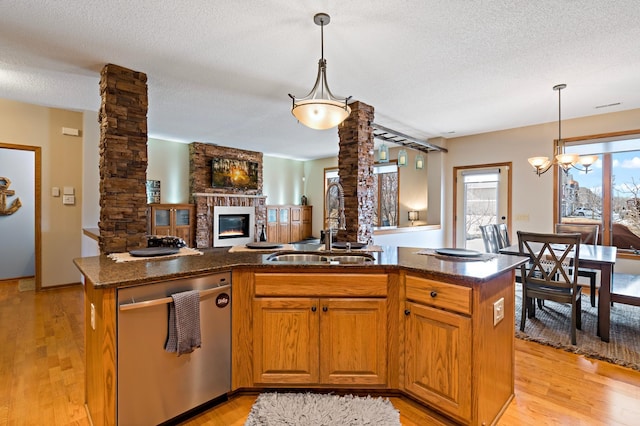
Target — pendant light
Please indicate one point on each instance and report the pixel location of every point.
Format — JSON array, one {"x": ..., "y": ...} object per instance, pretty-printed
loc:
[
  {"x": 320, "y": 109},
  {"x": 419, "y": 162},
  {"x": 383, "y": 153},
  {"x": 402, "y": 158},
  {"x": 562, "y": 159}
]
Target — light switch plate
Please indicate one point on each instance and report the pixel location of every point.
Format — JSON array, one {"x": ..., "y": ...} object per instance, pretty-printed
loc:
[
  {"x": 68, "y": 190},
  {"x": 55, "y": 191},
  {"x": 69, "y": 199}
]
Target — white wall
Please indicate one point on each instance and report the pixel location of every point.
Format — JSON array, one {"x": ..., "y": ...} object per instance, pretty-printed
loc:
[
  {"x": 168, "y": 162},
  {"x": 282, "y": 180}
]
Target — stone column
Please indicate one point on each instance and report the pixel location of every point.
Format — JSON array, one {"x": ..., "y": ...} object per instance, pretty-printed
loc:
[
  {"x": 123, "y": 159},
  {"x": 355, "y": 168}
]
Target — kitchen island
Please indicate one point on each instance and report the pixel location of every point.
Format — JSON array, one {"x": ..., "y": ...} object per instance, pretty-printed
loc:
[{"x": 438, "y": 330}]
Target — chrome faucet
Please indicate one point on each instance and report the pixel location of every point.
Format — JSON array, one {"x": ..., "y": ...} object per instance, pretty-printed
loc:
[{"x": 341, "y": 219}]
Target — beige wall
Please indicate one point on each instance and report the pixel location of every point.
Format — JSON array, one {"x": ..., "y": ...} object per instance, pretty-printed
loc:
[
  {"x": 25, "y": 124},
  {"x": 532, "y": 197}
]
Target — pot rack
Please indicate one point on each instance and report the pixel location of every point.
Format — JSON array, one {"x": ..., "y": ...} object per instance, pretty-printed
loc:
[{"x": 393, "y": 136}]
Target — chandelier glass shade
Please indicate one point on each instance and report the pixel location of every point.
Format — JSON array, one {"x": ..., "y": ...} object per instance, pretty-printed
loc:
[
  {"x": 320, "y": 109},
  {"x": 564, "y": 160}
]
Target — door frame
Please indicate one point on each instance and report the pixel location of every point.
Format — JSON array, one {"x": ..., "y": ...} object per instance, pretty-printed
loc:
[
  {"x": 507, "y": 165},
  {"x": 38, "y": 206}
]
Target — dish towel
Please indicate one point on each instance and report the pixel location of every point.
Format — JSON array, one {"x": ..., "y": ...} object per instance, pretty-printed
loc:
[{"x": 184, "y": 323}]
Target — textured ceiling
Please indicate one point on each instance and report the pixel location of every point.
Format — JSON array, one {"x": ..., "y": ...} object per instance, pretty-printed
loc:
[{"x": 220, "y": 72}]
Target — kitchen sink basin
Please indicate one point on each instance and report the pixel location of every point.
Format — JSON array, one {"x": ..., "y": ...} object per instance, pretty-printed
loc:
[{"x": 322, "y": 258}]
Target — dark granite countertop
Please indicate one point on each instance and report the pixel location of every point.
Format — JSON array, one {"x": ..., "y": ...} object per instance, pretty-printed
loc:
[{"x": 104, "y": 272}]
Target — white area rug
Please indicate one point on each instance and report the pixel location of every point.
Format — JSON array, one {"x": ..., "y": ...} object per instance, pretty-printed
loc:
[{"x": 308, "y": 409}]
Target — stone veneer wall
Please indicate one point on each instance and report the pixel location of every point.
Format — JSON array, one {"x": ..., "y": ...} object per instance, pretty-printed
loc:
[
  {"x": 123, "y": 159},
  {"x": 206, "y": 198},
  {"x": 355, "y": 168}
]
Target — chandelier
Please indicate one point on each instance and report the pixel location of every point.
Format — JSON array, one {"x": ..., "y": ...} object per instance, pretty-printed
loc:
[
  {"x": 320, "y": 109},
  {"x": 562, "y": 159}
]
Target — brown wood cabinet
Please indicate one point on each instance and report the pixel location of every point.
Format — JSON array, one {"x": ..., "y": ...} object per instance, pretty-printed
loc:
[
  {"x": 449, "y": 363},
  {"x": 319, "y": 340},
  {"x": 286, "y": 223},
  {"x": 177, "y": 220}
]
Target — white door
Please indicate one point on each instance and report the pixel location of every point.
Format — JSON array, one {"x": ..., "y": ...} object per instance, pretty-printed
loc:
[{"x": 482, "y": 198}]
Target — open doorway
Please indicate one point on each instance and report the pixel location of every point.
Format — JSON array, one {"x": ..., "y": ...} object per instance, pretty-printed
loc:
[
  {"x": 482, "y": 196},
  {"x": 20, "y": 221}
]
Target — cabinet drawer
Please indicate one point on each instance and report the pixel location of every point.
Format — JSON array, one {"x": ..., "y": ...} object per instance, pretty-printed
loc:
[
  {"x": 312, "y": 285},
  {"x": 439, "y": 294}
]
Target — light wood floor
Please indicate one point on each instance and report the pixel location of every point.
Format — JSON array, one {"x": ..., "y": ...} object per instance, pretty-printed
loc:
[{"x": 42, "y": 375}]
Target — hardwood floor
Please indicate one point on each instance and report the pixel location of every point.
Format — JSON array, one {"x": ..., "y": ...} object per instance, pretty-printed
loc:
[{"x": 42, "y": 375}]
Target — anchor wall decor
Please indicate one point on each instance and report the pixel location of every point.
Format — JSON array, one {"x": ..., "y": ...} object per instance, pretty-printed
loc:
[{"x": 5, "y": 192}]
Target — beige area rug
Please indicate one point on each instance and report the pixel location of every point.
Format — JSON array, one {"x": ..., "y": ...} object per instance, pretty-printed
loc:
[
  {"x": 309, "y": 409},
  {"x": 27, "y": 284},
  {"x": 126, "y": 257},
  {"x": 552, "y": 327}
]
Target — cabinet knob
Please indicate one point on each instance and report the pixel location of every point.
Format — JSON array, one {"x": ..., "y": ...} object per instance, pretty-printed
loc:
[
  {"x": 325, "y": 309},
  {"x": 434, "y": 293},
  {"x": 407, "y": 311},
  {"x": 313, "y": 309}
]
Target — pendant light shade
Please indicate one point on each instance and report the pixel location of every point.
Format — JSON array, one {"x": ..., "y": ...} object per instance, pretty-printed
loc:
[
  {"x": 402, "y": 158},
  {"x": 320, "y": 109},
  {"x": 419, "y": 162},
  {"x": 383, "y": 153}
]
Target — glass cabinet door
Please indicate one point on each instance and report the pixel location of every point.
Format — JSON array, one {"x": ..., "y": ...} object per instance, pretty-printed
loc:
[
  {"x": 182, "y": 217},
  {"x": 284, "y": 215},
  {"x": 272, "y": 215},
  {"x": 163, "y": 217}
]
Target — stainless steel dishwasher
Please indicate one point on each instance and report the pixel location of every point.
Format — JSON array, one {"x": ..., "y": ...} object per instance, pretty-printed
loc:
[{"x": 153, "y": 385}]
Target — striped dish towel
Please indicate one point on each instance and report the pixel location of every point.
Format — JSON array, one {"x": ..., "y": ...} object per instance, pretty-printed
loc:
[{"x": 184, "y": 323}]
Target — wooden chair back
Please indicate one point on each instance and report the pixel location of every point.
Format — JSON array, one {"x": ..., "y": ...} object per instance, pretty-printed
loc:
[
  {"x": 554, "y": 257},
  {"x": 588, "y": 232}
]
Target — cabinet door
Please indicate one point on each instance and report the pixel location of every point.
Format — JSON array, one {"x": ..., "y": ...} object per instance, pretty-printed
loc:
[
  {"x": 272, "y": 225},
  {"x": 285, "y": 340},
  {"x": 161, "y": 221},
  {"x": 284, "y": 227},
  {"x": 353, "y": 341},
  {"x": 307, "y": 231},
  {"x": 438, "y": 358},
  {"x": 182, "y": 224}
]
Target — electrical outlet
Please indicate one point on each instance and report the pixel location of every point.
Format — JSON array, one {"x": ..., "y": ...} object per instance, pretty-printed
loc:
[
  {"x": 498, "y": 311},
  {"x": 93, "y": 317}
]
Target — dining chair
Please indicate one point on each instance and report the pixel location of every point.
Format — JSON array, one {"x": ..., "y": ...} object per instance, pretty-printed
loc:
[
  {"x": 549, "y": 274},
  {"x": 589, "y": 235},
  {"x": 490, "y": 238},
  {"x": 502, "y": 233}
]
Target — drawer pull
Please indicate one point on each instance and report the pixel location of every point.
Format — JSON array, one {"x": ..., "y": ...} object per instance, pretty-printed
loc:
[
  {"x": 434, "y": 293},
  {"x": 407, "y": 311},
  {"x": 313, "y": 309}
]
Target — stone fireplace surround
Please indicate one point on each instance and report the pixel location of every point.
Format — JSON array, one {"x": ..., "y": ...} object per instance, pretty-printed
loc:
[{"x": 207, "y": 198}]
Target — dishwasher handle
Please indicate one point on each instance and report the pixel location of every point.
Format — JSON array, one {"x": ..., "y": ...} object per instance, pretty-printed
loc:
[{"x": 169, "y": 299}]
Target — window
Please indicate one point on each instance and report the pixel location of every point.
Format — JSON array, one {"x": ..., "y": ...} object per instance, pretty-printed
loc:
[
  {"x": 609, "y": 194},
  {"x": 386, "y": 194},
  {"x": 385, "y": 190}
]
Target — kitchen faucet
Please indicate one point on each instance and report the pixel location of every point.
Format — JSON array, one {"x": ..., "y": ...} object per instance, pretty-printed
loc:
[{"x": 341, "y": 219}]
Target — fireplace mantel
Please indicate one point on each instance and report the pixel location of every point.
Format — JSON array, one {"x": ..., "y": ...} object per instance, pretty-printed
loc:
[{"x": 222, "y": 194}]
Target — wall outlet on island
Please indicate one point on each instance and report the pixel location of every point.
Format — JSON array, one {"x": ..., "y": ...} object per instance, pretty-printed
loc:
[{"x": 498, "y": 311}]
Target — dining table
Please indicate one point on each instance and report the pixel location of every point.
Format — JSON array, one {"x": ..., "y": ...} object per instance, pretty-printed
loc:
[{"x": 602, "y": 258}]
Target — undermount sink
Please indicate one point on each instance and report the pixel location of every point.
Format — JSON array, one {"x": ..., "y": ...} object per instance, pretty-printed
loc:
[{"x": 322, "y": 258}]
